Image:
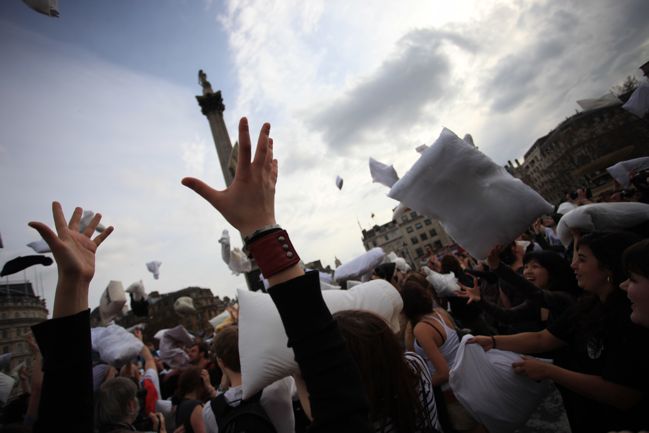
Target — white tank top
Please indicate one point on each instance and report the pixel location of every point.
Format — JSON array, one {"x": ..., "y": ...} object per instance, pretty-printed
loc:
[{"x": 448, "y": 349}]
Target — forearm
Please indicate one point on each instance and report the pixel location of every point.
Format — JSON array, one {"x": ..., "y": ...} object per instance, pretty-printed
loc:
[
  {"x": 149, "y": 361},
  {"x": 71, "y": 296},
  {"x": 528, "y": 342},
  {"x": 596, "y": 388}
]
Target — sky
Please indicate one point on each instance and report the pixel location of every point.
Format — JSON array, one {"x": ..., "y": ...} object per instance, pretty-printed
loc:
[{"x": 98, "y": 110}]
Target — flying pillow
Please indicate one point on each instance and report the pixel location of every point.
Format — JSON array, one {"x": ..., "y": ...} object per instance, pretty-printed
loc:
[
  {"x": 184, "y": 305},
  {"x": 383, "y": 174},
  {"x": 115, "y": 344},
  {"x": 359, "y": 266},
  {"x": 263, "y": 349},
  {"x": 112, "y": 301},
  {"x": 444, "y": 284}
]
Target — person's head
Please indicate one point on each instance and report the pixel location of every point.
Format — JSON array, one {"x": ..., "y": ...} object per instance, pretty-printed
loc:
[
  {"x": 417, "y": 297},
  {"x": 511, "y": 253},
  {"x": 636, "y": 264},
  {"x": 598, "y": 262},
  {"x": 550, "y": 220},
  {"x": 385, "y": 271},
  {"x": 450, "y": 263},
  {"x": 548, "y": 270},
  {"x": 191, "y": 382},
  {"x": 131, "y": 370},
  {"x": 388, "y": 381},
  {"x": 226, "y": 348},
  {"x": 117, "y": 402},
  {"x": 198, "y": 352},
  {"x": 101, "y": 373}
]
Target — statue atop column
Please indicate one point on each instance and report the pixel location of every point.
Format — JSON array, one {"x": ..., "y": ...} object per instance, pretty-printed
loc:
[{"x": 202, "y": 80}]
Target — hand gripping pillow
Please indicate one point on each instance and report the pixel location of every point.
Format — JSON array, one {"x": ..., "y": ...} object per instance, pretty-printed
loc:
[
  {"x": 383, "y": 174},
  {"x": 486, "y": 385},
  {"x": 477, "y": 201},
  {"x": 112, "y": 301},
  {"x": 444, "y": 284},
  {"x": 359, "y": 266},
  {"x": 171, "y": 344},
  {"x": 621, "y": 171},
  {"x": 263, "y": 349},
  {"x": 602, "y": 217},
  {"x": 115, "y": 344}
]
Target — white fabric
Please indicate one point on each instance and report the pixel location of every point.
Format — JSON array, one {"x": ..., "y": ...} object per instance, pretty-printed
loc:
[
  {"x": 115, "y": 344},
  {"x": 359, "y": 266},
  {"x": 158, "y": 335},
  {"x": 566, "y": 207},
  {"x": 171, "y": 344},
  {"x": 39, "y": 246},
  {"x": 5, "y": 360},
  {"x": 339, "y": 182},
  {"x": 448, "y": 349},
  {"x": 225, "y": 246},
  {"x": 184, "y": 305},
  {"x": 327, "y": 286},
  {"x": 444, "y": 284},
  {"x": 401, "y": 265},
  {"x": 152, "y": 375},
  {"x": 87, "y": 217},
  {"x": 383, "y": 174},
  {"x": 263, "y": 349},
  {"x": 165, "y": 407},
  {"x": 326, "y": 277},
  {"x": 276, "y": 399},
  {"x": 607, "y": 100},
  {"x": 478, "y": 202},
  {"x": 46, "y": 7},
  {"x": 239, "y": 262},
  {"x": 137, "y": 289},
  {"x": 220, "y": 318},
  {"x": 112, "y": 301},
  {"x": 602, "y": 217},
  {"x": 399, "y": 211},
  {"x": 6, "y": 385},
  {"x": 621, "y": 171},
  {"x": 486, "y": 385},
  {"x": 154, "y": 268},
  {"x": 638, "y": 103}
]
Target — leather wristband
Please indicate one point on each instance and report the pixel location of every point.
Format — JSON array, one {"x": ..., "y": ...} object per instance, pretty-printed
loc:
[{"x": 273, "y": 252}]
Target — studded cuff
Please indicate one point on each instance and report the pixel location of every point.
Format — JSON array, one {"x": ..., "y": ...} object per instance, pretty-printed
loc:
[{"x": 273, "y": 252}]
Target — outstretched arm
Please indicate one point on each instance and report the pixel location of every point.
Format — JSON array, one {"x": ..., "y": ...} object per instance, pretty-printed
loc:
[
  {"x": 337, "y": 398},
  {"x": 64, "y": 341}
]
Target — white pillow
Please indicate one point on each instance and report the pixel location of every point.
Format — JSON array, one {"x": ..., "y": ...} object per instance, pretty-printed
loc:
[
  {"x": 638, "y": 103},
  {"x": 620, "y": 171},
  {"x": 40, "y": 246},
  {"x": 263, "y": 349},
  {"x": 566, "y": 207},
  {"x": 154, "y": 268},
  {"x": 115, "y": 344},
  {"x": 225, "y": 246},
  {"x": 476, "y": 200},
  {"x": 6, "y": 386},
  {"x": 137, "y": 289},
  {"x": 444, "y": 284},
  {"x": 239, "y": 262},
  {"x": 112, "y": 301},
  {"x": 602, "y": 217},
  {"x": 486, "y": 385},
  {"x": 359, "y": 266},
  {"x": 171, "y": 344},
  {"x": 383, "y": 174},
  {"x": 184, "y": 305}
]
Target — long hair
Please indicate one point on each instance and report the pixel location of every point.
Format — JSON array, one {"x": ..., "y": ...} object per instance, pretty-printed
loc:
[
  {"x": 561, "y": 276},
  {"x": 636, "y": 258},
  {"x": 390, "y": 384},
  {"x": 191, "y": 381},
  {"x": 417, "y": 298}
]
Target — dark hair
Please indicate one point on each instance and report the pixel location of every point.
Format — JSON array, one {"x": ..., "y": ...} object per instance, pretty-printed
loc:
[
  {"x": 608, "y": 247},
  {"x": 417, "y": 298},
  {"x": 390, "y": 384},
  {"x": 113, "y": 398},
  {"x": 190, "y": 380},
  {"x": 450, "y": 263},
  {"x": 636, "y": 258},
  {"x": 561, "y": 276},
  {"x": 203, "y": 348},
  {"x": 507, "y": 256},
  {"x": 385, "y": 271},
  {"x": 226, "y": 347}
]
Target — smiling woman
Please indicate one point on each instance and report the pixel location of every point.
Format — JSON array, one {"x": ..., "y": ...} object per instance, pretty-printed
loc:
[{"x": 636, "y": 263}]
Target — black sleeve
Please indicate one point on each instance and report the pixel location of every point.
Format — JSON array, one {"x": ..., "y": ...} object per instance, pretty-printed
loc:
[
  {"x": 66, "y": 395},
  {"x": 628, "y": 356},
  {"x": 338, "y": 400},
  {"x": 524, "y": 287},
  {"x": 526, "y": 311},
  {"x": 564, "y": 326}
]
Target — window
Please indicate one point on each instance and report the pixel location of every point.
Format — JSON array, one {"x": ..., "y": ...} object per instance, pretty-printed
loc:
[
  {"x": 438, "y": 244},
  {"x": 409, "y": 229},
  {"x": 432, "y": 232},
  {"x": 423, "y": 236},
  {"x": 386, "y": 237},
  {"x": 419, "y": 252},
  {"x": 418, "y": 226},
  {"x": 414, "y": 240},
  {"x": 413, "y": 214},
  {"x": 427, "y": 222}
]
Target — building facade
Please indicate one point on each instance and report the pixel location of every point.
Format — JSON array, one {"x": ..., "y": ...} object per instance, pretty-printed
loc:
[
  {"x": 412, "y": 236},
  {"x": 578, "y": 151}
]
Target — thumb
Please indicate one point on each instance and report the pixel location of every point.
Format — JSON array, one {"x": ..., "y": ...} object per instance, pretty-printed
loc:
[
  {"x": 46, "y": 233},
  {"x": 204, "y": 190}
]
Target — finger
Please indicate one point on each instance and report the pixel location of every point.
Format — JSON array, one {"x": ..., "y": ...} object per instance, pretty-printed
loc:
[
  {"x": 262, "y": 144},
  {"x": 517, "y": 365},
  {"x": 243, "y": 163},
  {"x": 471, "y": 341},
  {"x": 103, "y": 235},
  {"x": 274, "y": 171},
  {"x": 269, "y": 154},
  {"x": 75, "y": 219},
  {"x": 46, "y": 233},
  {"x": 59, "y": 218},
  {"x": 93, "y": 225},
  {"x": 204, "y": 190}
]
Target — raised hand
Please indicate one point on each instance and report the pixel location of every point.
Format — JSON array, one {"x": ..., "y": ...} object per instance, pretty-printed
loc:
[
  {"x": 74, "y": 253},
  {"x": 472, "y": 294},
  {"x": 249, "y": 202},
  {"x": 493, "y": 259}
]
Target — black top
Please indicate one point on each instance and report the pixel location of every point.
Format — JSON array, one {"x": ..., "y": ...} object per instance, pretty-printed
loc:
[
  {"x": 609, "y": 345},
  {"x": 184, "y": 414}
]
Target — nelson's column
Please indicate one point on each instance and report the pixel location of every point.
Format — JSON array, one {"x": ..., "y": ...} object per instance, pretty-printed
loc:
[{"x": 212, "y": 107}]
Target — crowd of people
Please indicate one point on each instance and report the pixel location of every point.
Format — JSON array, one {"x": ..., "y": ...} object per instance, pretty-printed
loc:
[{"x": 585, "y": 307}]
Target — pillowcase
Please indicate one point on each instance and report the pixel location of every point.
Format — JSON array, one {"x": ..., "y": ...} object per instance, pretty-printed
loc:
[
  {"x": 112, "y": 301},
  {"x": 383, "y": 174},
  {"x": 184, "y": 305},
  {"x": 115, "y": 344},
  {"x": 602, "y": 217},
  {"x": 444, "y": 284},
  {"x": 621, "y": 171},
  {"x": 263, "y": 351},
  {"x": 478, "y": 202},
  {"x": 359, "y": 266}
]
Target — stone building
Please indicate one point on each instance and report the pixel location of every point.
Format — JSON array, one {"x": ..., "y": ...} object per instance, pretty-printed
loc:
[
  {"x": 578, "y": 151},
  {"x": 162, "y": 314},
  {"x": 20, "y": 309},
  {"x": 412, "y": 236}
]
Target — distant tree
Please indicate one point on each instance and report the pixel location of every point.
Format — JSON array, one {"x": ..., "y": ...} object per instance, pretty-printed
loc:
[{"x": 629, "y": 85}]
